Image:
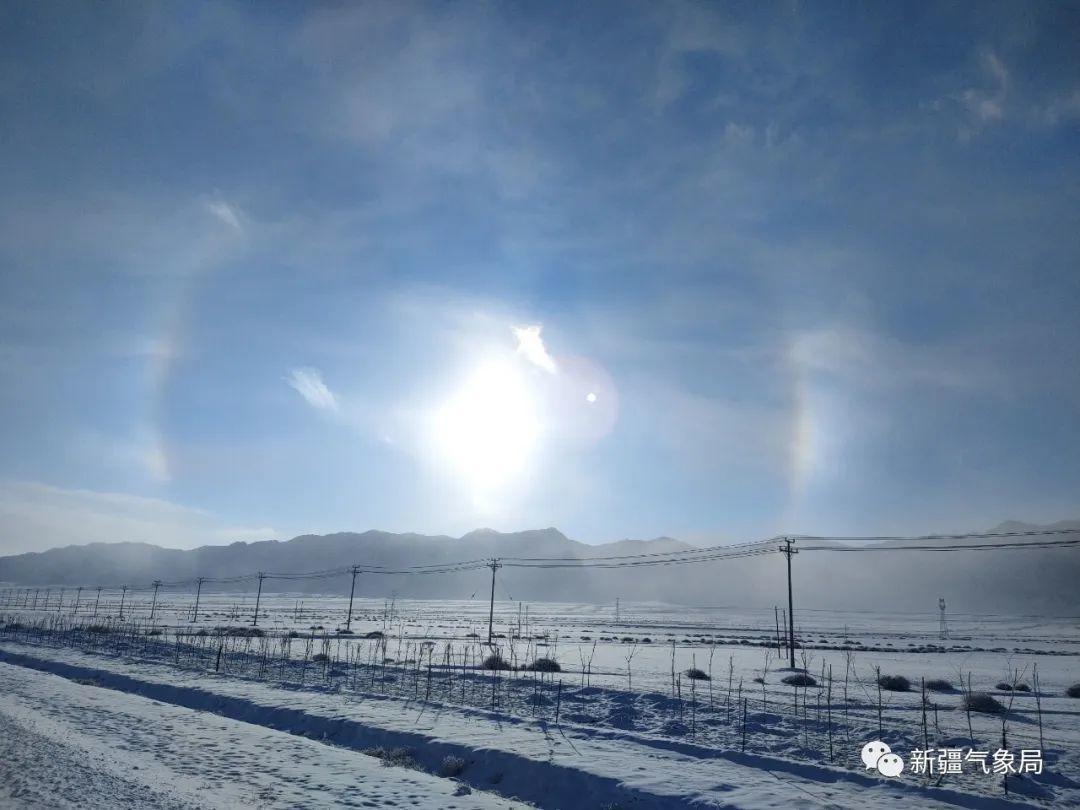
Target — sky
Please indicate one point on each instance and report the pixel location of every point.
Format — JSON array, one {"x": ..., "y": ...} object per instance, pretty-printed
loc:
[{"x": 713, "y": 271}]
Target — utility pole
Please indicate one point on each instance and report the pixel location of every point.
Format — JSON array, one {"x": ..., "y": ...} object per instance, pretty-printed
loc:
[
  {"x": 616, "y": 610},
  {"x": 153, "y": 604},
  {"x": 198, "y": 593},
  {"x": 123, "y": 596},
  {"x": 352, "y": 590},
  {"x": 258, "y": 596},
  {"x": 787, "y": 551},
  {"x": 78, "y": 594},
  {"x": 97, "y": 599},
  {"x": 60, "y": 606},
  {"x": 494, "y": 565}
]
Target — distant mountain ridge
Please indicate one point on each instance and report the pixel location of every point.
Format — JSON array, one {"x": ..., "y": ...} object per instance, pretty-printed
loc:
[{"x": 1024, "y": 581}]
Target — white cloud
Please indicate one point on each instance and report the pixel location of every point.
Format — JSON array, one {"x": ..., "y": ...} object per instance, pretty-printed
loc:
[
  {"x": 225, "y": 213},
  {"x": 308, "y": 382},
  {"x": 531, "y": 347},
  {"x": 35, "y": 517}
]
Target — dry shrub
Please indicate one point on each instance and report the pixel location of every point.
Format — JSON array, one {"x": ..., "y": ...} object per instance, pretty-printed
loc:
[
  {"x": 494, "y": 662},
  {"x": 982, "y": 702},
  {"x": 544, "y": 665},
  {"x": 451, "y": 766},
  {"x": 894, "y": 683}
]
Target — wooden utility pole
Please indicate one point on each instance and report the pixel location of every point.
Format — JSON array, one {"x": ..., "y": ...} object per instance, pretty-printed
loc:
[
  {"x": 78, "y": 595},
  {"x": 787, "y": 551},
  {"x": 352, "y": 590},
  {"x": 494, "y": 565},
  {"x": 97, "y": 600},
  {"x": 153, "y": 604},
  {"x": 123, "y": 596},
  {"x": 198, "y": 593},
  {"x": 258, "y": 596}
]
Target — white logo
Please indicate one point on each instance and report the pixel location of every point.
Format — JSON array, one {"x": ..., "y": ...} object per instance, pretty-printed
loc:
[
  {"x": 872, "y": 752},
  {"x": 877, "y": 756},
  {"x": 890, "y": 765}
]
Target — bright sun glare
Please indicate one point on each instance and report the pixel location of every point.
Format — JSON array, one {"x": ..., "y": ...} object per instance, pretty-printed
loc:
[{"x": 487, "y": 431}]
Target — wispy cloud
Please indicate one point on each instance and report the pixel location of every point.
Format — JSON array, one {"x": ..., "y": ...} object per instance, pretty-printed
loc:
[
  {"x": 531, "y": 347},
  {"x": 308, "y": 382},
  {"x": 226, "y": 213}
]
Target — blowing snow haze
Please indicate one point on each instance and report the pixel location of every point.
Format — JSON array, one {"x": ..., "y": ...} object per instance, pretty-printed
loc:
[{"x": 1016, "y": 581}]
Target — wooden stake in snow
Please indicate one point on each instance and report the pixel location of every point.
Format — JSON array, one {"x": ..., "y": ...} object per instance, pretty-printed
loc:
[
  {"x": 558, "y": 702},
  {"x": 743, "y": 723},
  {"x": 925, "y": 737},
  {"x": 1038, "y": 704},
  {"x": 877, "y": 676}
]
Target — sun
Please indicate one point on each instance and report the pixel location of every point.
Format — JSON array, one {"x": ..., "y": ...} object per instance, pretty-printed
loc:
[{"x": 487, "y": 431}]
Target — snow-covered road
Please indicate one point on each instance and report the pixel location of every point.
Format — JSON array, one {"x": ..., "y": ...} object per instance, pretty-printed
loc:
[{"x": 64, "y": 744}]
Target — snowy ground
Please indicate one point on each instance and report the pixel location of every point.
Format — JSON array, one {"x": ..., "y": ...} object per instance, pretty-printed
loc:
[
  {"x": 778, "y": 754},
  {"x": 70, "y": 745}
]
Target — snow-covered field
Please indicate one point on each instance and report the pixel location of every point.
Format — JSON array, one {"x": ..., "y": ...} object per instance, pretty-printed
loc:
[
  {"x": 746, "y": 743},
  {"x": 74, "y": 745}
]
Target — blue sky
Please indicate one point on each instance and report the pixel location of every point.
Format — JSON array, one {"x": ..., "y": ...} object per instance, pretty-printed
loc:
[{"x": 714, "y": 271}]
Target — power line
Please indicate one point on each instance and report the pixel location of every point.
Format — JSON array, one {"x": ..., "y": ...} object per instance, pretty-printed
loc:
[
  {"x": 679, "y": 557},
  {"x": 693, "y": 550},
  {"x": 951, "y": 547},
  {"x": 924, "y": 537}
]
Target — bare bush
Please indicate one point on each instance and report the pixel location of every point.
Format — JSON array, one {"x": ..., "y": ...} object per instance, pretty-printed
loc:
[
  {"x": 495, "y": 662},
  {"x": 1073, "y": 691},
  {"x": 939, "y": 685},
  {"x": 393, "y": 757},
  {"x": 894, "y": 683},
  {"x": 451, "y": 766},
  {"x": 696, "y": 674},
  {"x": 799, "y": 679},
  {"x": 982, "y": 702},
  {"x": 1004, "y": 686},
  {"x": 544, "y": 665}
]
